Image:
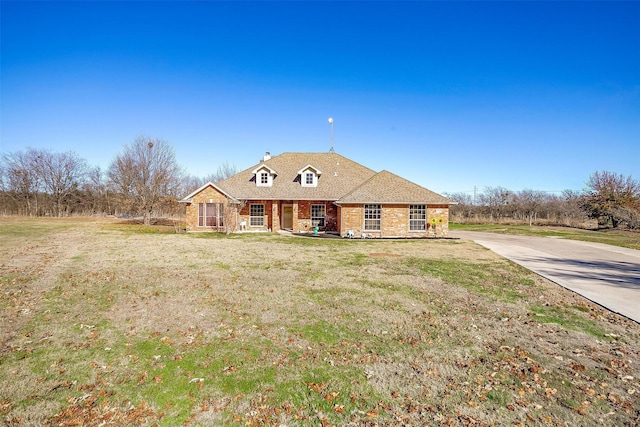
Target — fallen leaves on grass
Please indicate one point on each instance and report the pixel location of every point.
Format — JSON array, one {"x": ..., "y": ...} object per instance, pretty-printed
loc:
[{"x": 93, "y": 409}]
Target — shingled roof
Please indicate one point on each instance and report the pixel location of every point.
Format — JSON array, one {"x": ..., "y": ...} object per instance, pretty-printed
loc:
[
  {"x": 339, "y": 176},
  {"x": 342, "y": 180},
  {"x": 388, "y": 188}
]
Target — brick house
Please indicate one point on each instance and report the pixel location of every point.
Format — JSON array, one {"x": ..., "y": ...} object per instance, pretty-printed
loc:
[{"x": 301, "y": 191}]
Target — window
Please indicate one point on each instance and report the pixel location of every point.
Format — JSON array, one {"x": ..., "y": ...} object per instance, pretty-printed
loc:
[
  {"x": 210, "y": 214},
  {"x": 264, "y": 176},
  {"x": 201, "y": 214},
  {"x": 309, "y": 176},
  {"x": 372, "y": 217},
  {"x": 317, "y": 215},
  {"x": 417, "y": 218},
  {"x": 256, "y": 213}
]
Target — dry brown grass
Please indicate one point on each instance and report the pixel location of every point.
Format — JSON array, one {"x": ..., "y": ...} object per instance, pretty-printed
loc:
[{"x": 110, "y": 323}]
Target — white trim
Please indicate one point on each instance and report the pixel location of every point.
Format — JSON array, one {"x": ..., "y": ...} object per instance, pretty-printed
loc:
[
  {"x": 315, "y": 173},
  {"x": 303, "y": 179},
  {"x": 257, "y": 172},
  {"x": 219, "y": 217},
  {"x": 257, "y": 216},
  {"x": 324, "y": 217},
  {"x": 424, "y": 221},
  {"x": 379, "y": 220},
  {"x": 266, "y": 182},
  {"x": 190, "y": 196},
  {"x": 263, "y": 166},
  {"x": 308, "y": 167}
]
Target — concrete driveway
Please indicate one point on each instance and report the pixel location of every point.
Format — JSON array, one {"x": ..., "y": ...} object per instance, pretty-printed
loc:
[{"x": 607, "y": 275}]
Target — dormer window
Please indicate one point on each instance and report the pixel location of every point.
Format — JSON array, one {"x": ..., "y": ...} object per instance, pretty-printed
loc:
[
  {"x": 309, "y": 176},
  {"x": 264, "y": 176}
]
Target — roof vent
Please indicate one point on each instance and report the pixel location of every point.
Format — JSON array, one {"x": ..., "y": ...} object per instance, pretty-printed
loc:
[{"x": 266, "y": 157}]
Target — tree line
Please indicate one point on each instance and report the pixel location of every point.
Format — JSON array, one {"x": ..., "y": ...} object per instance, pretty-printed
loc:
[
  {"x": 609, "y": 200},
  {"x": 144, "y": 179}
]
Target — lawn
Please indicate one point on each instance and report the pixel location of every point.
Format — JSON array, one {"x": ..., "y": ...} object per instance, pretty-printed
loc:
[{"x": 107, "y": 323}]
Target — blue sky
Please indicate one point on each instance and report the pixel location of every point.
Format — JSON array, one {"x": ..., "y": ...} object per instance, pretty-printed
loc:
[{"x": 451, "y": 95}]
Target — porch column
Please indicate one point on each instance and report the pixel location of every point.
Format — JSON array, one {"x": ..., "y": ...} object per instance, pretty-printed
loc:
[
  {"x": 275, "y": 214},
  {"x": 294, "y": 224}
]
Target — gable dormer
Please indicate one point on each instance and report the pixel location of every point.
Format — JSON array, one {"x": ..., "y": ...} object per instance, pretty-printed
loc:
[
  {"x": 309, "y": 176},
  {"x": 264, "y": 176}
]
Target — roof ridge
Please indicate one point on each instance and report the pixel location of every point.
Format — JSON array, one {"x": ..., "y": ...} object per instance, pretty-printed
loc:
[
  {"x": 202, "y": 187},
  {"x": 365, "y": 182}
]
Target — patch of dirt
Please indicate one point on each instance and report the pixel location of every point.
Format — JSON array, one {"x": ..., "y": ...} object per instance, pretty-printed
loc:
[{"x": 32, "y": 269}]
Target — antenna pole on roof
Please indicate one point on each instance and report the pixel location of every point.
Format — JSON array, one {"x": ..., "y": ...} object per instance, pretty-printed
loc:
[{"x": 331, "y": 150}]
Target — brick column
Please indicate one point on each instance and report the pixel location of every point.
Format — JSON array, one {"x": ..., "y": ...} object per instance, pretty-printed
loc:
[
  {"x": 275, "y": 214},
  {"x": 294, "y": 221}
]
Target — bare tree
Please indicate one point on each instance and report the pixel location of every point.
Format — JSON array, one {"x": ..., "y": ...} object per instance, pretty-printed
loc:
[
  {"x": 61, "y": 173},
  {"x": 463, "y": 209},
  {"x": 570, "y": 208},
  {"x": 122, "y": 174},
  {"x": 21, "y": 180},
  {"x": 190, "y": 182},
  {"x": 144, "y": 173},
  {"x": 95, "y": 192},
  {"x": 611, "y": 198},
  {"x": 496, "y": 200},
  {"x": 224, "y": 171},
  {"x": 530, "y": 202}
]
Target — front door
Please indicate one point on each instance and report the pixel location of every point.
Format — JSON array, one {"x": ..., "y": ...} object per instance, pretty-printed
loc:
[{"x": 287, "y": 217}]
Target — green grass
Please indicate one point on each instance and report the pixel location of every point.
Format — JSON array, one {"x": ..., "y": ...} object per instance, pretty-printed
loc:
[
  {"x": 131, "y": 229},
  {"x": 491, "y": 279},
  {"x": 177, "y": 378},
  {"x": 620, "y": 238},
  {"x": 570, "y": 317},
  {"x": 34, "y": 228},
  {"x": 499, "y": 397}
]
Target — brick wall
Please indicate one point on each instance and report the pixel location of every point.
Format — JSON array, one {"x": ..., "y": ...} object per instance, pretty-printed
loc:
[
  {"x": 438, "y": 218},
  {"x": 395, "y": 221},
  {"x": 351, "y": 219},
  {"x": 295, "y": 225},
  {"x": 208, "y": 195},
  {"x": 244, "y": 215},
  {"x": 395, "y": 218},
  {"x": 304, "y": 215}
]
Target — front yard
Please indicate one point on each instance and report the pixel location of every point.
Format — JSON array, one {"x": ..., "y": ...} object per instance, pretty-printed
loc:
[{"x": 105, "y": 323}]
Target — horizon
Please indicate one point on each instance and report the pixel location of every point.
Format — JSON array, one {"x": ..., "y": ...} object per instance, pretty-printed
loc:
[{"x": 452, "y": 96}]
